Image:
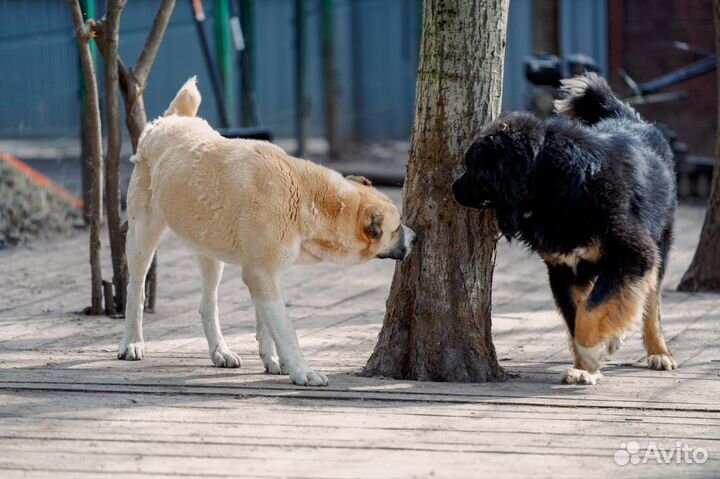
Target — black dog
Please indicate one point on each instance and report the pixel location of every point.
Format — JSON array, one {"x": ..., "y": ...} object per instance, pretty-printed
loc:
[{"x": 595, "y": 197}]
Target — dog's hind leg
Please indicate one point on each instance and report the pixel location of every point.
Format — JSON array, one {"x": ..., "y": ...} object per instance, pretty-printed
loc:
[
  {"x": 145, "y": 229},
  {"x": 266, "y": 346},
  {"x": 211, "y": 271},
  {"x": 658, "y": 355},
  {"x": 270, "y": 308},
  {"x": 144, "y": 233}
]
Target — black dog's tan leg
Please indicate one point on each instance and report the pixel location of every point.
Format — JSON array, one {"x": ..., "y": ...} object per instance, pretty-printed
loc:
[
  {"x": 658, "y": 356},
  {"x": 628, "y": 273},
  {"x": 568, "y": 294},
  {"x": 596, "y": 325}
]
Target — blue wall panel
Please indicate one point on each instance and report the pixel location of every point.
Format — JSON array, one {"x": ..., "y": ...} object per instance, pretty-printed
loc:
[
  {"x": 519, "y": 45},
  {"x": 583, "y": 29},
  {"x": 376, "y": 55}
]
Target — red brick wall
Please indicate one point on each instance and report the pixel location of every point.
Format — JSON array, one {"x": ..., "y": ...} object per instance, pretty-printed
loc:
[{"x": 641, "y": 33}]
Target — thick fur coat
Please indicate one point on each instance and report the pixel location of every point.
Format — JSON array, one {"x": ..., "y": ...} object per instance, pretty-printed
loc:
[{"x": 593, "y": 192}]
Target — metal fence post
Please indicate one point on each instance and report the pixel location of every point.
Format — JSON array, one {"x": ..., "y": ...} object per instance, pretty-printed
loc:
[
  {"x": 300, "y": 101},
  {"x": 221, "y": 20}
]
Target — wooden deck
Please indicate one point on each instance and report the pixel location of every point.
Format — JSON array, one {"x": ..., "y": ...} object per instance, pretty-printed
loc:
[{"x": 69, "y": 409}]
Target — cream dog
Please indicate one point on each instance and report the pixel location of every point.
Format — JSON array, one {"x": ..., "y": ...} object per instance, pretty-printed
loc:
[{"x": 248, "y": 203}]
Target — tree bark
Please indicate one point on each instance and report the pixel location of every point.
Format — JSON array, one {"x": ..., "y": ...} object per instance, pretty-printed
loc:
[
  {"x": 132, "y": 85},
  {"x": 112, "y": 162},
  {"x": 704, "y": 271},
  {"x": 94, "y": 137},
  {"x": 437, "y": 326}
]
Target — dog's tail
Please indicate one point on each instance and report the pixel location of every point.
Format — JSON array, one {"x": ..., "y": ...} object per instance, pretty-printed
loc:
[
  {"x": 589, "y": 99},
  {"x": 187, "y": 100}
]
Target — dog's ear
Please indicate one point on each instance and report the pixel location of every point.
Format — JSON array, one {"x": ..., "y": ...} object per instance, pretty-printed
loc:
[
  {"x": 359, "y": 179},
  {"x": 373, "y": 224}
]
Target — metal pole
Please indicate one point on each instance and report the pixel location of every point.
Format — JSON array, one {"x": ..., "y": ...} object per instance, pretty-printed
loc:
[
  {"x": 300, "y": 102},
  {"x": 357, "y": 70},
  {"x": 88, "y": 10},
  {"x": 199, "y": 18},
  {"x": 328, "y": 66},
  {"x": 221, "y": 16}
]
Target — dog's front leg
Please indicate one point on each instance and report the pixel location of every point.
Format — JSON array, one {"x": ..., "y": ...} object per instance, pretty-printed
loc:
[
  {"x": 211, "y": 272},
  {"x": 617, "y": 299},
  {"x": 270, "y": 308}
]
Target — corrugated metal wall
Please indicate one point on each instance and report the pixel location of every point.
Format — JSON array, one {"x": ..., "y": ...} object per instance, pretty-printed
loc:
[
  {"x": 376, "y": 54},
  {"x": 583, "y": 29}
]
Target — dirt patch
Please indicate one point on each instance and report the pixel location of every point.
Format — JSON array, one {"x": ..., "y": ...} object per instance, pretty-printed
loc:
[{"x": 31, "y": 208}]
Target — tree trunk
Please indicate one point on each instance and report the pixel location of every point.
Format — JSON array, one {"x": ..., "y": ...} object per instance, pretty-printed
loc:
[
  {"x": 112, "y": 163},
  {"x": 94, "y": 137},
  {"x": 704, "y": 271},
  {"x": 437, "y": 326}
]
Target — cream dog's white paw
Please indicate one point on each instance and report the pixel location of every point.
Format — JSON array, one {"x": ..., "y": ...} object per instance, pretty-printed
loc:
[
  {"x": 272, "y": 365},
  {"x": 308, "y": 377},
  {"x": 580, "y": 376},
  {"x": 131, "y": 351},
  {"x": 661, "y": 362},
  {"x": 222, "y": 357}
]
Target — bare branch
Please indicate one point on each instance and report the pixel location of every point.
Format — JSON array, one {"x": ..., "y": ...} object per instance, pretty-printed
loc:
[
  {"x": 112, "y": 164},
  {"x": 152, "y": 43},
  {"x": 94, "y": 135}
]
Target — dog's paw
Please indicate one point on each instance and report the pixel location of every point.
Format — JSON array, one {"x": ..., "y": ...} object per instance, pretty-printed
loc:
[
  {"x": 615, "y": 343},
  {"x": 308, "y": 377},
  {"x": 580, "y": 376},
  {"x": 222, "y": 357},
  {"x": 661, "y": 362},
  {"x": 131, "y": 351},
  {"x": 272, "y": 366}
]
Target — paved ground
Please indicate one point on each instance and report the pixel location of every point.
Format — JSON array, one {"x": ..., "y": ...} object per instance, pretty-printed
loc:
[{"x": 69, "y": 409}]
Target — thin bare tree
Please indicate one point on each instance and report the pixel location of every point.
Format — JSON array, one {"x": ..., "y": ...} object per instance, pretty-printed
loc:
[
  {"x": 131, "y": 83},
  {"x": 94, "y": 136},
  {"x": 704, "y": 271},
  {"x": 112, "y": 161},
  {"x": 437, "y": 324}
]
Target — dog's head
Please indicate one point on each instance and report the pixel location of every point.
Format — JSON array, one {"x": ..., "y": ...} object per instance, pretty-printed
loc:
[
  {"x": 379, "y": 229},
  {"x": 498, "y": 167},
  {"x": 367, "y": 225}
]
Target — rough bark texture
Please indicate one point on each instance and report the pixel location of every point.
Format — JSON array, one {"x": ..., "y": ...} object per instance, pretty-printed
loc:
[
  {"x": 437, "y": 326},
  {"x": 704, "y": 271},
  {"x": 94, "y": 137},
  {"x": 112, "y": 162},
  {"x": 132, "y": 85}
]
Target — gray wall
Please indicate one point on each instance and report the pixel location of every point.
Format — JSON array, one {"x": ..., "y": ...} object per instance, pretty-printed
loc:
[{"x": 376, "y": 54}]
